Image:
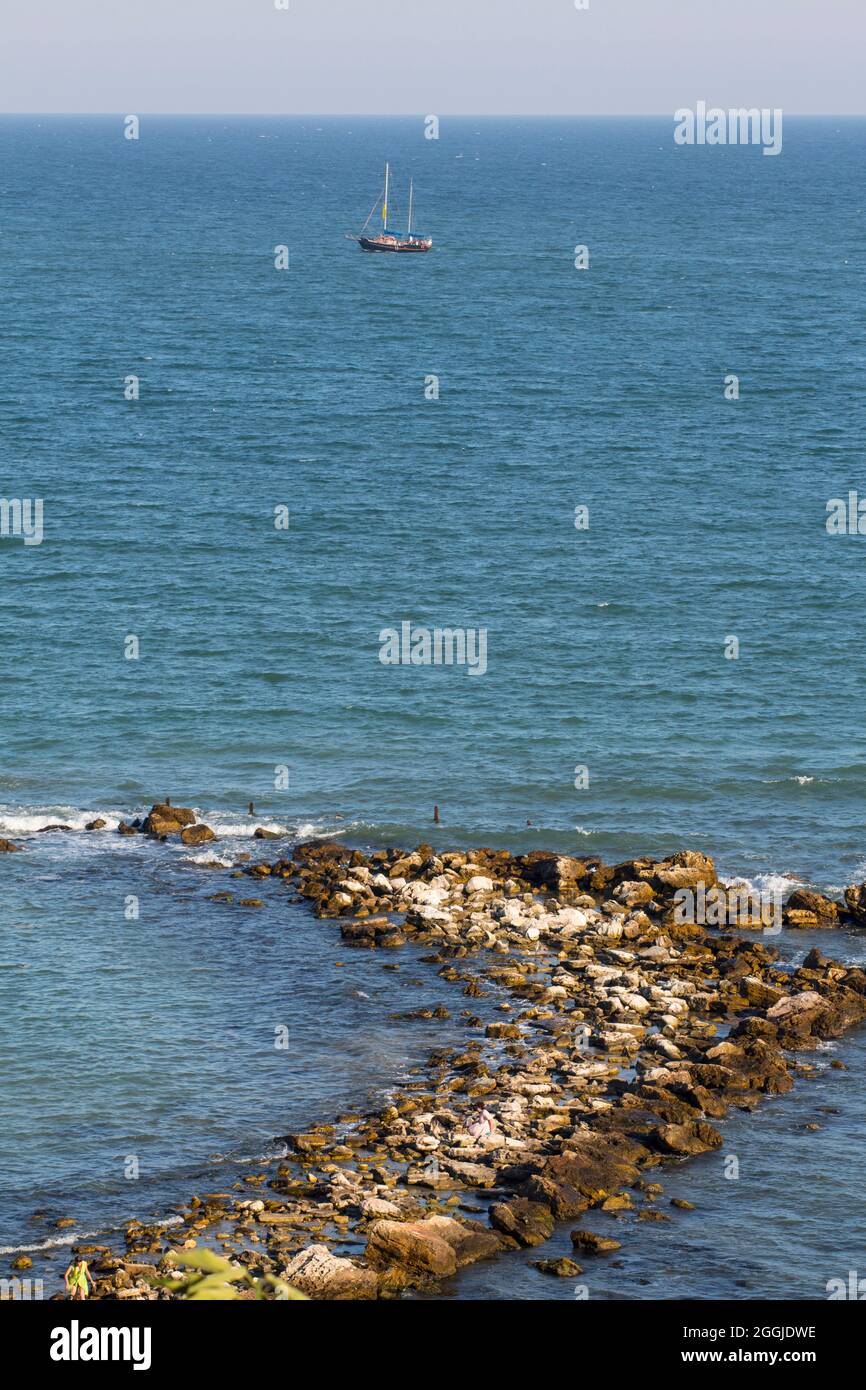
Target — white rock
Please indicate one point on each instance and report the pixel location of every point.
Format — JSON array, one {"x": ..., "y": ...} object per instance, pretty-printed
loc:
[{"x": 479, "y": 884}]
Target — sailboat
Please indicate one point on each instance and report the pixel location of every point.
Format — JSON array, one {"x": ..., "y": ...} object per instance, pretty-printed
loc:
[{"x": 391, "y": 241}]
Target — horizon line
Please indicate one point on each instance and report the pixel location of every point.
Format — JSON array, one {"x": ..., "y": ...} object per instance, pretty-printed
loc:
[{"x": 415, "y": 115}]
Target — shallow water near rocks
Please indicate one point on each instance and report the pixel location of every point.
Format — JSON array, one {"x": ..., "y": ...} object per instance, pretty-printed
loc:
[{"x": 793, "y": 1219}]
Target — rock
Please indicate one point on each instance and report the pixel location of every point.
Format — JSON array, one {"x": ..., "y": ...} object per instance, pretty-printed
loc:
[
  {"x": 807, "y": 908},
  {"x": 630, "y": 894},
  {"x": 470, "y": 1241},
  {"x": 165, "y": 820},
  {"x": 477, "y": 884},
  {"x": 855, "y": 901},
  {"x": 529, "y": 1223},
  {"x": 95, "y": 824},
  {"x": 182, "y": 814},
  {"x": 125, "y": 829},
  {"x": 563, "y": 1268},
  {"x": 557, "y": 873},
  {"x": 413, "y": 1246},
  {"x": 682, "y": 1204},
  {"x": 693, "y": 1137},
  {"x": 592, "y": 1164},
  {"x": 22, "y": 1262},
  {"x": 377, "y": 1208},
  {"x": 197, "y": 834},
  {"x": 594, "y": 1244},
  {"x": 793, "y": 1004},
  {"x": 759, "y": 993},
  {"x": 7, "y": 847},
  {"x": 686, "y": 869},
  {"x": 319, "y": 1274},
  {"x": 260, "y": 833}
]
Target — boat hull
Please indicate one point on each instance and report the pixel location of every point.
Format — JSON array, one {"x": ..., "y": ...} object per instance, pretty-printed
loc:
[{"x": 392, "y": 245}]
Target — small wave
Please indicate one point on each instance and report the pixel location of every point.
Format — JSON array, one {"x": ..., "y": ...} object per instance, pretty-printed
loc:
[
  {"x": 29, "y": 820},
  {"x": 237, "y": 830},
  {"x": 769, "y": 885},
  {"x": 74, "y": 1237},
  {"x": 209, "y": 859}
]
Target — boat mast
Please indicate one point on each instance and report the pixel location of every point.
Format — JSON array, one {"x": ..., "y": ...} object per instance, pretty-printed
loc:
[
  {"x": 409, "y": 233},
  {"x": 385, "y": 204}
]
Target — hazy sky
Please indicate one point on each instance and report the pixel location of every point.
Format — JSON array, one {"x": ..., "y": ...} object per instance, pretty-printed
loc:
[{"x": 430, "y": 56}]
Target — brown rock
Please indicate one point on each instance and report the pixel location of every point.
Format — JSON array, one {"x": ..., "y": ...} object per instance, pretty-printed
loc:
[
  {"x": 694, "y": 1137},
  {"x": 197, "y": 834},
  {"x": 822, "y": 909},
  {"x": 529, "y": 1223},
  {"x": 594, "y": 1244},
  {"x": 413, "y": 1246}
]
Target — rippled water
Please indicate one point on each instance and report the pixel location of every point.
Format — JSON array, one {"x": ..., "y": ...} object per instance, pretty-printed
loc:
[{"x": 259, "y": 648}]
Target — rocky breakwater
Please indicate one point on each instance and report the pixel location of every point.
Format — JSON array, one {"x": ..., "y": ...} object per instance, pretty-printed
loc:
[{"x": 622, "y": 1037}]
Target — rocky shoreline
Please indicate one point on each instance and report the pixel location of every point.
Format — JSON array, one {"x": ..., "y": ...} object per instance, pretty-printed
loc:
[{"x": 626, "y": 1033}]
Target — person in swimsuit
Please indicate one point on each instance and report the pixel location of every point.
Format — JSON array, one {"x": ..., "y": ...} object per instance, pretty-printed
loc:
[
  {"x": 482, "y": 1125},
  {"x": 76, "y": 1278}
]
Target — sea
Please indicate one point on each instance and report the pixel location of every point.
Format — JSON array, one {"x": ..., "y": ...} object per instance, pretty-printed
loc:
[{"x": 600, "y": 428}]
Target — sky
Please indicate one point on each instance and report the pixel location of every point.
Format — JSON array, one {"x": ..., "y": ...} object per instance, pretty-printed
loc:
[{"x": 431, "y": 56}]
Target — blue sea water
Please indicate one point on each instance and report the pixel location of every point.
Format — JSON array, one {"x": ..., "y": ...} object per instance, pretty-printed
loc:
[{"x": 259, "y": 647}]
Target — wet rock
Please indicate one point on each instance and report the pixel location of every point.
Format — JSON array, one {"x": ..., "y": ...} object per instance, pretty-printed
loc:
[
  {"x": 469, "y": 1240},
  {"x": 261, "y": 833},
  {"x": 197, "y": 834},
  {"x": 7, "y": 847},
  {"x": 319, "y": 1274},
  {"x": 529, "y": 1223},
  {"x": 97, "y": 824},
  {"x": 563, "y": 1268},
  {"x": 594, "y": 1244}
]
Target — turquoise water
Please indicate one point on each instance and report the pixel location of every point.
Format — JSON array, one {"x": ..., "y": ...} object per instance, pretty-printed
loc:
[{"x": 259, "y": 648}]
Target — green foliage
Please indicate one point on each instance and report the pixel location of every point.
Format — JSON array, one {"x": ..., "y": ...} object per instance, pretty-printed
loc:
[{"x": 212, "y": 1276}]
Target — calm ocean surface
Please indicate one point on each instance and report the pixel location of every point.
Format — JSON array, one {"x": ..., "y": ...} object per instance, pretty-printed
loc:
[{"x": 259, "y": 648}]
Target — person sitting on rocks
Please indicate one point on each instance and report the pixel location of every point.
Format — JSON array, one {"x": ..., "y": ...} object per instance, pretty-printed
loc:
[{"x": 482, "y": 1125}]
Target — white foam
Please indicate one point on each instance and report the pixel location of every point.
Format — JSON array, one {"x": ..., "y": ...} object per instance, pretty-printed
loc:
[
  {"x": 210, "y": 859},
  {"x": 30, "y": 820}
]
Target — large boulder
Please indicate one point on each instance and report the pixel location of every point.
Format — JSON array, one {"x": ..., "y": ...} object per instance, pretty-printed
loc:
[
  {"x": 685, "y": 869},
  {"x": 319, "y": 1274},
  {"x": 197, "y": 834},
  {"x": 165, "y": 811},
  {"x": 808, "y": 1002},
  {"x": 555, "y": 872},
  {"x": 415, "y": 1247},
  {"x": 469, "y": 1240},
  {"x": 7, "y": 847},
  {"x": 593, "y": 1165},
  {"x": 529, "y": 1223},
  {"x": 806, "y": 909},
  {"x": 694, "y": 1137},
  {"x": 163, "y": 819}
]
